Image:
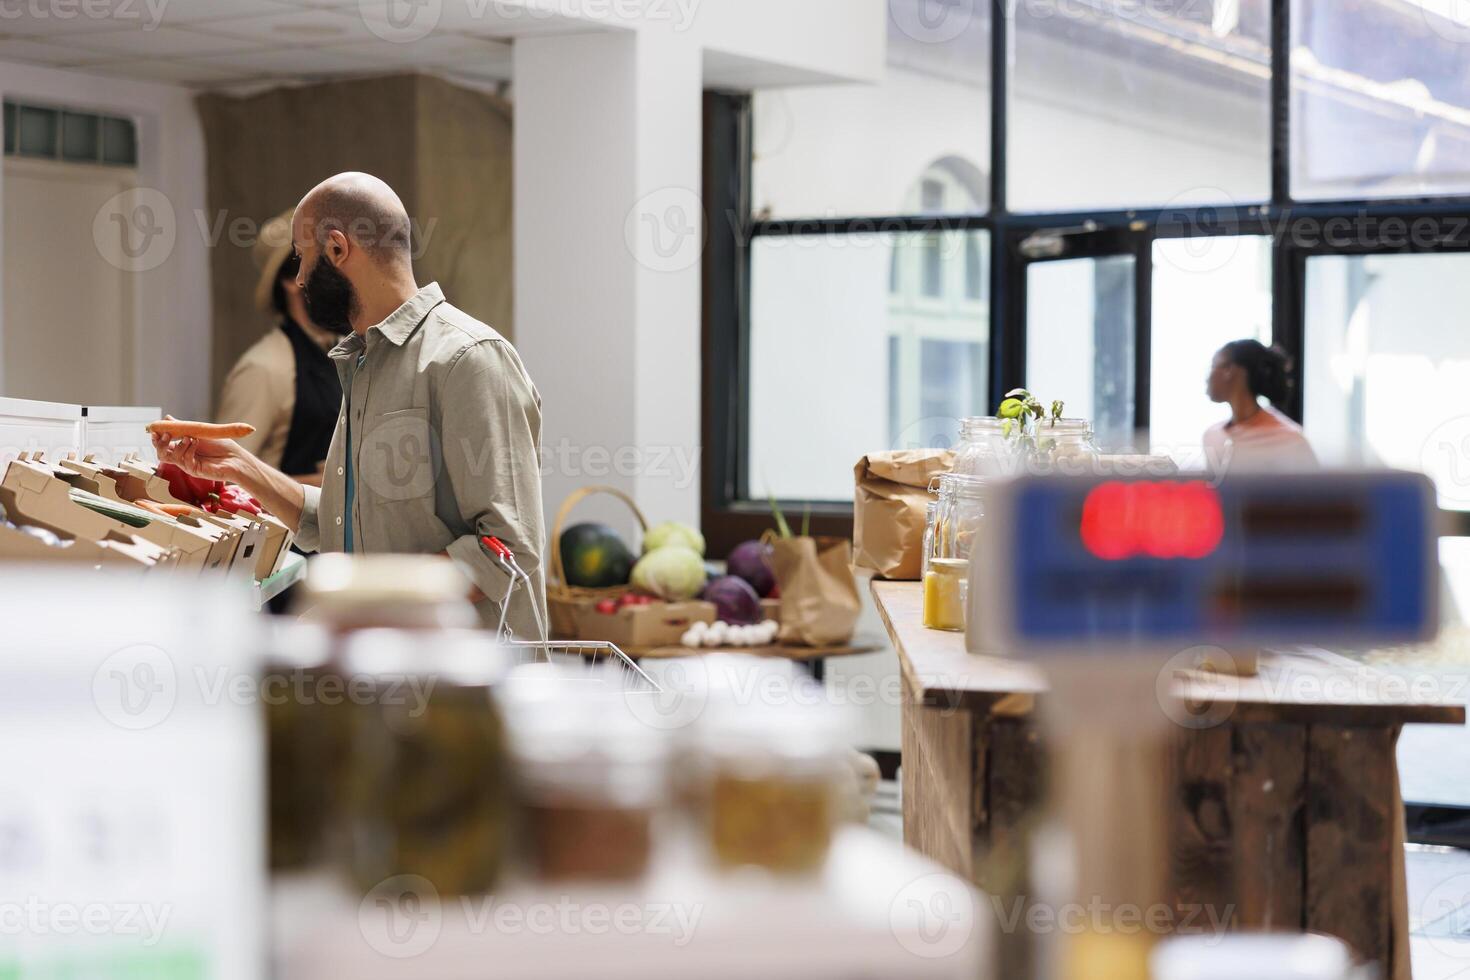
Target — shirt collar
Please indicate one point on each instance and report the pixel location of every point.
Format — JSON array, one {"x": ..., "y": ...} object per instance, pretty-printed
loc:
[{"x": 400, "y": 324}]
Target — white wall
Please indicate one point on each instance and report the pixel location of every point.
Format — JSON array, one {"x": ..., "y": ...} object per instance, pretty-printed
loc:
[{"x": 172, "y": 300}]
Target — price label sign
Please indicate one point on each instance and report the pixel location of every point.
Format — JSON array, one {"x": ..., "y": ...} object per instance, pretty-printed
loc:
[
  {"x": 1086, "y": 564},
  {"x": 131, "y": 794}
]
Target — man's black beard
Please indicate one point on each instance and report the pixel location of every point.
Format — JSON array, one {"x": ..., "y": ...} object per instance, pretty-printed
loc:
[{"x": 330, "y": 298}]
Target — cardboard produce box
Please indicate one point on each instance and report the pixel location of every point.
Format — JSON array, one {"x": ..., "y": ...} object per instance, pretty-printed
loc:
[
  {"x": 198, "y": 549},
  {"x": 276, "y": 536},
  {"x": 658, "y": 624},
  {"x": 113, "y": 551},
  {"x": 247, "y": 536},
  {"x": 223, "y": 542},
  {"x": 38, "y": 496}
]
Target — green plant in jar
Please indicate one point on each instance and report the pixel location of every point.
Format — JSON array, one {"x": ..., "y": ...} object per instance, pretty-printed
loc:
[{"x": 1026, "y": 419}]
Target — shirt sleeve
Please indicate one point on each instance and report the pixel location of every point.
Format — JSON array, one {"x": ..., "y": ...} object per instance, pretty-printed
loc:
[
  {"x": 308, "y": 535},
  {"x": 490, "y": 432},
  {"x": 254, "y": 393}
]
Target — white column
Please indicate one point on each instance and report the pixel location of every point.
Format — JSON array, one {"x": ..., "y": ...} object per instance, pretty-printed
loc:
[{"x": 608, "y": 237}]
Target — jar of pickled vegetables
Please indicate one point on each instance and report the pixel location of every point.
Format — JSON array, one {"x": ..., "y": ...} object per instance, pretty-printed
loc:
[
  {"x": 774, "y": 771},
  {"x": 304, "y": 743},
  {"x": 593, "y": 776},
  {"x": 429, "y": 787}
]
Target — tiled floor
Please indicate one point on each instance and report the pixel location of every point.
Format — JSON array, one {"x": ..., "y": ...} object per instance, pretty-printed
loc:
[{"x": 1439, "y": 913}]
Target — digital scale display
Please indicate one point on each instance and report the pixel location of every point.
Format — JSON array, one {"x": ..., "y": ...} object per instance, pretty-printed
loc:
[{"x": 1265, "y": 559}]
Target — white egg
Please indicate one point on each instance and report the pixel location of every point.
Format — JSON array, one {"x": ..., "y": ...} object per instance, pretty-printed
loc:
[
  {"x": 699, "y": 629},
  {"x": 691, "y": 639},
  {"x": 717, "y": 635}
]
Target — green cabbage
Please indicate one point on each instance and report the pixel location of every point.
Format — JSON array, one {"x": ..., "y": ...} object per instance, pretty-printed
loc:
[
  {"x": 670, "y": 533},
  {"x": 673, "y": 572}
]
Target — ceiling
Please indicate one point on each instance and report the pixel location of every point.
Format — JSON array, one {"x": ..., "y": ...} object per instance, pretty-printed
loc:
[{"x": 224, "y": 43}]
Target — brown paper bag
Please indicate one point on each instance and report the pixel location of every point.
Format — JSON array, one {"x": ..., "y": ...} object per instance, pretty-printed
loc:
[
  {"x": 819, "y": 596},
  {"x": 892, "y": 491}
]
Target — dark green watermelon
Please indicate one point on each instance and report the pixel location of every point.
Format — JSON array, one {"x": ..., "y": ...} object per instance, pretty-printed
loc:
[{"x": 594, "y": 557}]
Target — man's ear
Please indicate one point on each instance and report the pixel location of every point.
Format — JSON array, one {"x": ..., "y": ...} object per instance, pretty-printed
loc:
[{"x": 337, "y": 247}]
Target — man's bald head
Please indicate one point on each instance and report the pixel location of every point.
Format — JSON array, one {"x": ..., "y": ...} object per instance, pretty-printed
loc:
[{"x": 363, "y": 208}]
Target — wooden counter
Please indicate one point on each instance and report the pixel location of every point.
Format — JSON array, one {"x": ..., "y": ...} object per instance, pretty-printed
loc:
[{"x": 1288, "y": 814}]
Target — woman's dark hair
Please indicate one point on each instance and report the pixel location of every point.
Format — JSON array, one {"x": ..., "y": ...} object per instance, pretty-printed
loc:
[
  {"x": 288, "y": 270},
  {"x": 1267, "y": 369}
]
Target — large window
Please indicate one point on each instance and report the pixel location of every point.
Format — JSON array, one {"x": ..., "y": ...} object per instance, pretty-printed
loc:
[
  {"x": 1137, "y": 104},
  {"x": 855, "y": 150},
  {"x": 857, "y": 335},
  {"x": 1089, "y": 198},
  {"x": 1381, "y": 98},
  {"x": 1389, "y": 347}
]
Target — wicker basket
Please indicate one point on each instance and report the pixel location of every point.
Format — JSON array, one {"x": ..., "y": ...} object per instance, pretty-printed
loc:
[{"x": 561, "y": 599}]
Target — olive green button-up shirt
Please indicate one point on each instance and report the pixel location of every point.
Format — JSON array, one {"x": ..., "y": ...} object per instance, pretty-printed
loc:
[{"x": 445, "y": 435}]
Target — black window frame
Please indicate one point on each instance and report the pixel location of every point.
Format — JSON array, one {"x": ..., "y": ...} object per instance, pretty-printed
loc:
[{"x": 1298, "y": 231}]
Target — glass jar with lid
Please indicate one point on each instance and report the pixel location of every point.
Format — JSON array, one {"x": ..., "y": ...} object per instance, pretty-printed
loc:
[
  {"x": 1067, "y": 445},
  {"x": 306, "y": 742},
  {"x": 593, "y": 775},
  {"x": 984, "y": 449},
  {"x": 774, "y": 770},
  {"x": 429, "y": 787},
  {"x": 958, "y": 516},
  {"x": 345, "y": 592},
  {"x": 931, "y": 536}
]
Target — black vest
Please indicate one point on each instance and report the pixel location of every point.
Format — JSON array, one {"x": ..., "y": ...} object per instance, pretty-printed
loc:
[{"x": 318, "y": 402}]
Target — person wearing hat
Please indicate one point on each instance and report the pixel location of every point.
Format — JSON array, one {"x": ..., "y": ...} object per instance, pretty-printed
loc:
[{"x": 285, "y": 385}]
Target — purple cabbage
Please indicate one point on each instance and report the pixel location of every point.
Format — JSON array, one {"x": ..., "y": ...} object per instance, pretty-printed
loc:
[
  {"x": 735, "y": 601},
  {"x": 751, "y": 561}
]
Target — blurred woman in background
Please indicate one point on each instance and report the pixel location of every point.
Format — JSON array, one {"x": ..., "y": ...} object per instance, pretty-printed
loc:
[
  {"x": 1256, "y": 436},
  {"x": 285, "y": 385}
]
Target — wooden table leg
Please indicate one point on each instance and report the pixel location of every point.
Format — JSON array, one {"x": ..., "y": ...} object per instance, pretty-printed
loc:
[
  {"x": 1352, "y": 829},
  {"x": 943, "y": 778}
]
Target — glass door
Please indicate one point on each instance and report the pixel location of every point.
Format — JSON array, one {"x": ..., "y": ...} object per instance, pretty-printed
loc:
[{"x": 1082, "y": 328}]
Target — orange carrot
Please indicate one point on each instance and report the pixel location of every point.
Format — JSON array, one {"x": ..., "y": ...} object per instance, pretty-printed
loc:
[{"x": 201, "y": 430}]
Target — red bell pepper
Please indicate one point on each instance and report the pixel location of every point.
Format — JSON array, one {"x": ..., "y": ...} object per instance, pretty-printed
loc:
[
  {"x": 232, "y": 499},
  {"x": 188, "y": 489}
]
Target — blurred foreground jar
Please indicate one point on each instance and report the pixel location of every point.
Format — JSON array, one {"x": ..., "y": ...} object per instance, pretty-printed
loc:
[
  {"x": 984, "y": 449},
  {"x": 344, "y": 592},
  {"x": 429, "y": 787},
  {"x": 775, "y": 772},
  {"x": 593, "y": 774},
  {"x": 305, "y": 742},
  {"x": 694, "y": 688}
]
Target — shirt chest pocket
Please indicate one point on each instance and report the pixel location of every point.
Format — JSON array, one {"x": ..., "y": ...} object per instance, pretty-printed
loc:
[{"x": 397, "y": 458}]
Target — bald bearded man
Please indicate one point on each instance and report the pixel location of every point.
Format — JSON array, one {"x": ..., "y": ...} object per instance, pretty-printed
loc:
[{"x": 437, "y": 443}]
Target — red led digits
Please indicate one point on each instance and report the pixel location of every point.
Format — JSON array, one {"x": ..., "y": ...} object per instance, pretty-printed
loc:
[{"x": 1152, "y": 520}]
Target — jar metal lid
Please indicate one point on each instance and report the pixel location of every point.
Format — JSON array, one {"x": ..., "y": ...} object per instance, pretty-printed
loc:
[
  {"x": 457, "y": 658},
  {"x": 361, "y": 579}
]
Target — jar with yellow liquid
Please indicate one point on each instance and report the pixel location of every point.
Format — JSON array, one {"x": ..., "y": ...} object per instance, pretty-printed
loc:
[{"x": 944, "y": 593}]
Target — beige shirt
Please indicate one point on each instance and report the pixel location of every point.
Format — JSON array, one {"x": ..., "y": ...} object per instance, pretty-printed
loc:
[
  {"x": 445, "y": 436},
  {"x": 1267, "y": 441},
  {"x": 261, "y": 390}
]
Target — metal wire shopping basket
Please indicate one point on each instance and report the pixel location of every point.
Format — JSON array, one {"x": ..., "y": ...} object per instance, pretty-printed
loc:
[{"x": 590, "y": 656}]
